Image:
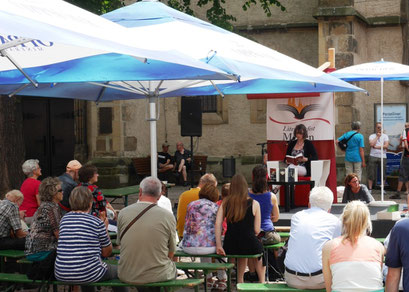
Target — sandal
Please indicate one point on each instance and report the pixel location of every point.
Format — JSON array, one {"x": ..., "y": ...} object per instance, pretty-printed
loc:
[{"x": 221, "y": 285}]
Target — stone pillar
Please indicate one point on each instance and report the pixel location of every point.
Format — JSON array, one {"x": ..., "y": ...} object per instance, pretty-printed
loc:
[{"x": 339, "y": 27}]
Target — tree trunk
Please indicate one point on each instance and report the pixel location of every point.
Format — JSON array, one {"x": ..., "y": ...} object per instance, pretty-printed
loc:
[{"x": 11, "y": 144}]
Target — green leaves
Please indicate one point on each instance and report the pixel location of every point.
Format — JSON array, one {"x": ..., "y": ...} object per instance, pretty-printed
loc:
[
  {"x": 216, "y": 13},
  {"x": 98, "y": 6}
]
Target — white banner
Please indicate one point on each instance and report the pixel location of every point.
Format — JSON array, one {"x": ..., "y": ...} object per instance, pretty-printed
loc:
[{"x": 316, "y": 113}]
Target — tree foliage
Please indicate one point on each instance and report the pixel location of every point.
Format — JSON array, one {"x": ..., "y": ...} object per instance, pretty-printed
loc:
[
  {"x": 216, "y": 13},
  {"x": 98, "y": 6}
]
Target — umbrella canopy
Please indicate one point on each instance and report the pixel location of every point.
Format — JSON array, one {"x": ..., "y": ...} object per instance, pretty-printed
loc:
[
  {"x": 258, "y": 68},
  {"x": 56, "y": 21},
  {"x": 375, "y": 71},
  {"x": 59, "y": 42}
]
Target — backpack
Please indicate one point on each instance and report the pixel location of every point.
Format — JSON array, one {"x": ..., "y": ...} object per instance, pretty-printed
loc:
[{"x": 343, "y": 144}]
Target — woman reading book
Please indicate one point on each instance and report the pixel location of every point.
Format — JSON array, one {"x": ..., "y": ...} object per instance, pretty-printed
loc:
[{"x": 301, "y": 151}]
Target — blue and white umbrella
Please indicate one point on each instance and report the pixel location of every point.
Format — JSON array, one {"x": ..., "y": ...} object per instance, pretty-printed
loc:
[
  {"x": 159, "y": 28},
  {"x": 375, "y": 71}
]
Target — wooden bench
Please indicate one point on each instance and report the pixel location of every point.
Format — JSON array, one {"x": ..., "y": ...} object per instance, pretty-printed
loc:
[
  {"x": 180, "y": 253},
  {"x": 205, "y": 267},
  {"x": 9, "y": 253},
  {"x": 259, "y": 287},
  {"x": 172, "y": 284},
  {"x": 142, "y": 166}
]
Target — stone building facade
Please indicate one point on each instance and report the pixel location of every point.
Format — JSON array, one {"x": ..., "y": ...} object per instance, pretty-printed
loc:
[{"x": 359, "y": 30}]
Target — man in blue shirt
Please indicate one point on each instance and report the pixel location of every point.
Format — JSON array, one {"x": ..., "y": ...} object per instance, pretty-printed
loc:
[
  {"x": 354, "y": 154},
  {"x": 397, "y": 256},
  {"x": 310, "y": 229}
]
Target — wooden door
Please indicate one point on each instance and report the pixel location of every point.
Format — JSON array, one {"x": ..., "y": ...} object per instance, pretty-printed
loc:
[{"x": 48, "y": 126}]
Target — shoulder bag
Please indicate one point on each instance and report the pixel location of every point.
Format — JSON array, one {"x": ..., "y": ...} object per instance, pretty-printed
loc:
[
  {"x": 343, "y": 144},
  {"x": 136, "y": 219}
]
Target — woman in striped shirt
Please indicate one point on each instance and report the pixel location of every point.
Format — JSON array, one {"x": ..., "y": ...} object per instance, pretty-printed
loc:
[{"x": 83, "y": 240}]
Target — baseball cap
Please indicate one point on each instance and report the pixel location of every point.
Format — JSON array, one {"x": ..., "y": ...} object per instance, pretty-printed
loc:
[
  {"x": 73, "y": 165},
  {"x": 166, "y": 144}
]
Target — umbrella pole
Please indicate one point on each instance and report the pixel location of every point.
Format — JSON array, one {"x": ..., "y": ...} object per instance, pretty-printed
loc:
[
  {"x": 382, "y": 184},
  {"x": 152, "y": 123}
]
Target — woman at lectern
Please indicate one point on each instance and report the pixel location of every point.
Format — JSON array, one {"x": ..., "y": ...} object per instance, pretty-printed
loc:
[{"x": 300, "y": 151}]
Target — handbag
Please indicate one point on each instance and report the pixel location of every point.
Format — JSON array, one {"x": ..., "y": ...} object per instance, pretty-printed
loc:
[
  {"x": 343, "y": 144},
  {"x": 136, "y": 219},
  {"x": 270, "y": 237},
  {"x": 43, "y": 269}
]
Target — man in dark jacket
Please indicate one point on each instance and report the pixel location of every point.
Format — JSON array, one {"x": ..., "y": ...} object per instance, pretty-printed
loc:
[{"x": 68, "y": 180}]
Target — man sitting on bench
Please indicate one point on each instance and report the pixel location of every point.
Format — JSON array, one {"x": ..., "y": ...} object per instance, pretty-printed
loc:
[
  {"x": 164, "y": 159},
  {"x": 310, "y": 229},
  {"x": 183, "y": 161},
  {"x": 12, "y": 235},
  {"x": 147, "y": 235}
]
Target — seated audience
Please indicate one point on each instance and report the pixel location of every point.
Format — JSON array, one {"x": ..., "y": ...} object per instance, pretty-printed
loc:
[
  {"x": 199, "y": 234},
  {"x": 86, "y": 237},
  {"x": 355, "y": 191},
  {"x": 12, "y": 235},
  {"x": 29, "y": 188},
  {"x": 353, "y": 261},
  {"x": 164, "y": 159},
  {"x": 301, "y": 145},
  {"x": 269, "y": 214},
  {"x": 225, "y": 192},
  {"x": 164, "y": 201},
  {"x": 310, "y": 229},
  {"x": 88, "y": 176},
  {"x": 189, "y": 196},
  {"x": 396, "y": 257},
  {"x": 147, "y": 247},
  {"x": 69, "y": 182},
  {"x": 243, "y": 226},
  {"x": 44, "y": 230},
  {"x": 183, "y": 161},
  {"x": 268, "y": 205}
]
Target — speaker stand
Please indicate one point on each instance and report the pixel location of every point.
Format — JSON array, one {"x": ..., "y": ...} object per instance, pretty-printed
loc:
[{"x": 191, "y": 163}]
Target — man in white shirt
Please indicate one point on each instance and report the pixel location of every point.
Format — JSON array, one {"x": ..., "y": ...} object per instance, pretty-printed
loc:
[
  {"x": 376, "y": 141},
  {"x": 310, "y": 229}
]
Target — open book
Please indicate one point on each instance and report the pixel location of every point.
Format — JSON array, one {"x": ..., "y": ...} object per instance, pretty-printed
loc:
[{"x": 293, "y": 159}]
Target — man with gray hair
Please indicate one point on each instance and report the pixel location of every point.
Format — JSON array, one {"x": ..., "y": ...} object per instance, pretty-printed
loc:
[
  {"x": 354, "y": 154},
  {"x": 310, "y": 229},
  {"x": 146, "y": 233}
]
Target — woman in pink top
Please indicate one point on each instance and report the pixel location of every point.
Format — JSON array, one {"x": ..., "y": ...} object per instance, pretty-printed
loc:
[
  {"x": 353, "y": 261},
  {"x": 29, "y": 188}
]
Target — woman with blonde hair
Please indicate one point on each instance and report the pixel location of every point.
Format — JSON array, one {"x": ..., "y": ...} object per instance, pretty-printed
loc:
[
  {"x": 353, "y": 261},
  {"x": 243, "y": 226}
]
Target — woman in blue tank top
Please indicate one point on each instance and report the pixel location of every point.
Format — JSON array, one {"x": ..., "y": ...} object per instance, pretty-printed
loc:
[
  {"x": 269, "y": 212},
  {"x": 267, "y": 200}
]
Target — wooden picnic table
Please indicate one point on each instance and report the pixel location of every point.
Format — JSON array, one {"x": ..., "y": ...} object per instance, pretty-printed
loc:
[{"x": 124, "y": 192}]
